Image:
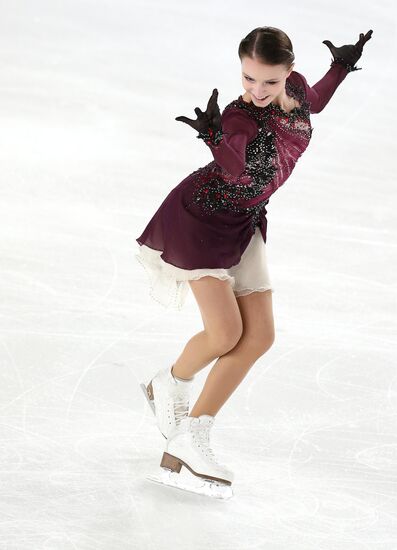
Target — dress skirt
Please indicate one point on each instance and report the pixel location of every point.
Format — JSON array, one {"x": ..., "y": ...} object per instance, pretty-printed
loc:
[{"x": 169, "y": 285}]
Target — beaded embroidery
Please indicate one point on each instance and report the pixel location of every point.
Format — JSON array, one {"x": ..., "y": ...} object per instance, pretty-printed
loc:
[
  {"x": 215, "y": 189},
  {"x": 211, "y": 136},
  {"x": 345, "y": 64}
]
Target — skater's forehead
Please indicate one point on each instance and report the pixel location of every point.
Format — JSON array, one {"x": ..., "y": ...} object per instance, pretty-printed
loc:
[
  {"x": 253, "y": 67},
  {"x": 270, "y": 79}
]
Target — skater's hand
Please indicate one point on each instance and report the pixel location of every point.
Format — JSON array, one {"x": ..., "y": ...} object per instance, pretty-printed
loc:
[
  {"x": 349, "y": 53},
  {"x": 210, "y": 119}
]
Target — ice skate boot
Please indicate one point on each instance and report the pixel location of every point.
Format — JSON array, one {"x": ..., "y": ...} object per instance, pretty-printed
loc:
[
  {"x": 189, "y": 446},
  {"x": 168, "y": 397}
]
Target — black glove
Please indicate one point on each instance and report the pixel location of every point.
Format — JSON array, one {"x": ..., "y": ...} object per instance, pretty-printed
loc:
[
  {"x": 208, "y": 124},
  {"x": 349, "y": 55}
]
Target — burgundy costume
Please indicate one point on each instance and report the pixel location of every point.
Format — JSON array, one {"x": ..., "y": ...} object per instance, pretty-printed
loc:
[{"x": 209, "y": 218}]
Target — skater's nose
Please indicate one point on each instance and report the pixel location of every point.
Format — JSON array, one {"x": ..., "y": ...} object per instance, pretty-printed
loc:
[{"x": 260, "y": 93}]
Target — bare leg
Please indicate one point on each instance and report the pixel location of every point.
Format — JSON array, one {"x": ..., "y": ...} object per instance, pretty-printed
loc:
[
  {"x": 222, "y": 326},
  {"x": 230, "y": 369},
  {"x": 197, "y": 354}
]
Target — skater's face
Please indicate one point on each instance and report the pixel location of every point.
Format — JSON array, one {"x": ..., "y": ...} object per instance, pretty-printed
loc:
[{"x": 264, "y": 84}]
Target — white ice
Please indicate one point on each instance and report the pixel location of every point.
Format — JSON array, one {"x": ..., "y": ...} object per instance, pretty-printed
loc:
[{"x": 88, "y": 149}]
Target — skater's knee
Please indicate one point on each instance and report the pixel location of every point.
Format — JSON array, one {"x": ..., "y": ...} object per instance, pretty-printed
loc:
[
  {"x": 262, "y": 345},
  {"x": 256, "y": 345},
  {"x": 226, "y": 337},
  {"x": 220, "y": 313}
]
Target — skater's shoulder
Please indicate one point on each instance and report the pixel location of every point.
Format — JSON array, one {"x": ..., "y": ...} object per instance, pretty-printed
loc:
[
  {"x": 238, "y": 117},
  {"x": 236, "y": 105},
  {"x": 237, "y": 109},
  {"x": 298, "y": 83}
]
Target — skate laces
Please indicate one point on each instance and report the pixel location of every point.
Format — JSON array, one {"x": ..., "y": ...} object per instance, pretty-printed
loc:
[
  {"x": 202, "y": 433},
  {"x": 181, "y": 406}
]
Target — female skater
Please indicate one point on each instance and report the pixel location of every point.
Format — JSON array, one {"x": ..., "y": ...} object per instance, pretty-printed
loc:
[{"x": 210, "y": 233}]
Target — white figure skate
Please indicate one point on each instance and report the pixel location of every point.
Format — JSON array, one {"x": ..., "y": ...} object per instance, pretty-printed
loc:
[
  {"x": 168, "y": 398},
  {"x": 189, "y": 446}
]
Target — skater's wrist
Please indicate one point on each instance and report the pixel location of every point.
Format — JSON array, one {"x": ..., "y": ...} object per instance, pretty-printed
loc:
[
  {"x": 345, "y": 64},
  {"x": 211, "y": 136}
]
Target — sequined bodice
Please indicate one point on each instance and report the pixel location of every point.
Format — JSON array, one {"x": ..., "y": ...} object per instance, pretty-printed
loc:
[
  {"x": 282, "y": 138},
  {"x": 270, "y": 158}
]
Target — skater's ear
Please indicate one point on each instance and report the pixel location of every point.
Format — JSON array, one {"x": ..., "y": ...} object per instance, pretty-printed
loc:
[{"x": 290, "y": 69}]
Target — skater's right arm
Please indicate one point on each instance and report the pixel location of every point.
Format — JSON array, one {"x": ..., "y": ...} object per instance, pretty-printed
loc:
[
  {"x": 226, "y": 135},
  {"x": 236, "y": 131}
]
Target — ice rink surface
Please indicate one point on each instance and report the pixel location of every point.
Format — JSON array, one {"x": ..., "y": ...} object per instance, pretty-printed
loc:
[{"x": 89, "y": 148}]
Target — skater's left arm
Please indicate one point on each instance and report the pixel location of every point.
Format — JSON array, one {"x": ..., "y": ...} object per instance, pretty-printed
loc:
[
  {"x": 319, "y": 95},
  {"x": 345, "y": 58}
]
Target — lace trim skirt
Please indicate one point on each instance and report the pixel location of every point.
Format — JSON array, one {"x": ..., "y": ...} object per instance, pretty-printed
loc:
[{"x": 168, "y": 284}]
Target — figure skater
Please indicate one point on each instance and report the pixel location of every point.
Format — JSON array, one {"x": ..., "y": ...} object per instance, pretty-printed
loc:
[{"x": 210, "y": 233}]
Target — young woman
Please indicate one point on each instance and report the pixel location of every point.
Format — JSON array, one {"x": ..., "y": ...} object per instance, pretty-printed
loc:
[{"x": 210, "y": 233}]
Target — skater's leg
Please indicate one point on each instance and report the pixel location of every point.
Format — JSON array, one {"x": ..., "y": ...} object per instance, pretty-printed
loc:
[
  {"x": 230, "y": 369},
  {"x": 222, "y": 326}
]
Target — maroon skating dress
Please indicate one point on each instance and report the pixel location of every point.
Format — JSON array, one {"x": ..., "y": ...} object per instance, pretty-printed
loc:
[{"x": 207, "y": 221}]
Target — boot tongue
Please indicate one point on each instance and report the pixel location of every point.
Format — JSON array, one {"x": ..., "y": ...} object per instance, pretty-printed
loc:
[{"x": 180, "y": 381}]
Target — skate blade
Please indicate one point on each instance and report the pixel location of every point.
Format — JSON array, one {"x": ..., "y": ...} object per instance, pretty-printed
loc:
[
  {"x": 151, "y": 404},
  {"x": 191, "y": 483}
]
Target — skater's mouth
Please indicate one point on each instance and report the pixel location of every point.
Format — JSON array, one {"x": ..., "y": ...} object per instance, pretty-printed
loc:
[{"x": 258, "y": 99}]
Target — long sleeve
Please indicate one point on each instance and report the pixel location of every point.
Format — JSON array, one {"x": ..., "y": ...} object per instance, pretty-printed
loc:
[
  {"x": 238, "y": 129},
  {"x": 319, "y": 95}
]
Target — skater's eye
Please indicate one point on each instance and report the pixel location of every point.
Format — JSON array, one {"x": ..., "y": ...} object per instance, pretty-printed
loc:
[{"x": 251, "y": 79}]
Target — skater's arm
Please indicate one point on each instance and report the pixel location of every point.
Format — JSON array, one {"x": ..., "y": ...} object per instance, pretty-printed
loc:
[
  {"x": 319, "y": 95},
  {"x": 228, "y": 145}
]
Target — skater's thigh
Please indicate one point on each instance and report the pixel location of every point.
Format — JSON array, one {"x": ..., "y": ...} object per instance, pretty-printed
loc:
[{"x": 218, "y": 307}]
